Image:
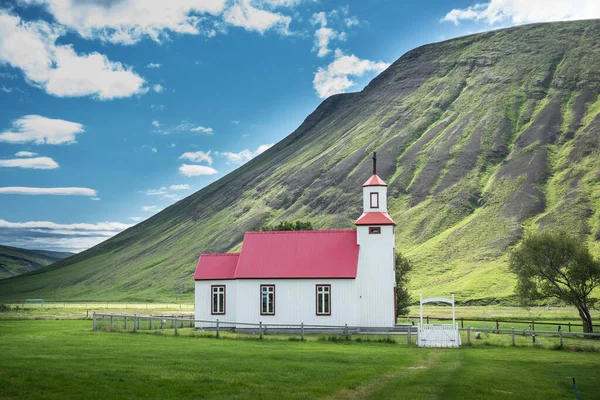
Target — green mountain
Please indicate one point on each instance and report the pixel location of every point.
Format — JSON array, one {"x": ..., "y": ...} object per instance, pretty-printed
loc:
[
  {"x": 15, "y": 261},
  {"x": 480, "y": 138}
]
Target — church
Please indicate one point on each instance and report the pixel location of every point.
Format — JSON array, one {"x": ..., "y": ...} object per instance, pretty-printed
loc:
[{"x": 327, "y": 277}]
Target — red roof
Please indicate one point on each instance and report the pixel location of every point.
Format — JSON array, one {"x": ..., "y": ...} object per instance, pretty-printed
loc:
[
  {"x": 375, "y": 218},
  {"x": 216, "y": 266},
  {"x": 288, "y": 255},
  {"x": 375, "y": 181}
]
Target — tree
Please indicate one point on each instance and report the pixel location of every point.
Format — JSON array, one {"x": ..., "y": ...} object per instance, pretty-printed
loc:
[
  {"x": 556, "y": 265},
  {"x": 287, "y": 226},
  {"x": 402, "y": 266}
]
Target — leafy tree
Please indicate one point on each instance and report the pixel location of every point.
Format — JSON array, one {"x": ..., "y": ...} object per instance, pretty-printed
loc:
[
  {"x": 556, "y": 265},
  {"x": 287, "y": 226},
  {"x": 402, "y": 266}
]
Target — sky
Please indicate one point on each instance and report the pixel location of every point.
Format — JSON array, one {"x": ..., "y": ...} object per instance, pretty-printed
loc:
[{"x": 112, "y": 110}]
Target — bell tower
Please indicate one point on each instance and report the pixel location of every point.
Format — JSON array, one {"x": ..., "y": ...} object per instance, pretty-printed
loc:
[{"x": 375, "y": 235}]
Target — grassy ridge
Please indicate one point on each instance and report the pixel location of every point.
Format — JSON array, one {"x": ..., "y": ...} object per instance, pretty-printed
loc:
[
  {"x": 480, "y": 138},
  {"x": 65, "y": 359},
  {"x": 15, "y": 261}
]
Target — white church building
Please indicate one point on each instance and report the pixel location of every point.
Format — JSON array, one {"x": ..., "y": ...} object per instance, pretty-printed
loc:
[{"x": 328, "y": 277}]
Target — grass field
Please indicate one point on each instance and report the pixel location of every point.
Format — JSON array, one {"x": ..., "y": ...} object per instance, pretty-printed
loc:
[{"x": 65, "y": 359}]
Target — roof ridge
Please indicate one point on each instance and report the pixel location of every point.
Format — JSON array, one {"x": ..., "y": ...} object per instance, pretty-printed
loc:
[
  {"x": 304, "y": 231},
  {"x": 220, "y": 254}
]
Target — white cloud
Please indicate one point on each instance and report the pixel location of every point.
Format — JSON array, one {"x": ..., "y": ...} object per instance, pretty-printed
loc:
[
  {"x": 351, "y": 21},
  {"x": 158, "y": 88},
  {"x": 324, "y": 35},
  {"x": 245, "y": 155},
  {"x": 243, "y": 14},
  {"x": 154, "y": 150},
  {"x": 129, "y": 21},
  {"x": 57, "y": 191},
  {"x": 25, "y": 154},
  {"x": 172, "y": 145},
  {"x": 30, "y": 163},
  {"x": 54, "y": 236},
  {"x": 180, "y": 187},
  {"x": 136, "y": 219},
  {"x": 157, "y": 107},
  {"x": 95, "y": 198},
  {"x": 156, "y": 123},
  {"x": 336, "y": 77},
  {"x": 101, "y": 226},
  {"x": 153, "y": 65},
  {"x": 41, "y": 130},
  {"x": 198, "y": 156},
  {"x": 235, "y": 122},
  {"x": 58, "y": 69},
  {"x": 196, "y": 170},
  {"x": 521, "y": 12},
  {"x": 156, "y": 192},
  {"x": 151, "y": 208},
  {"x": 208, "y": 131}
]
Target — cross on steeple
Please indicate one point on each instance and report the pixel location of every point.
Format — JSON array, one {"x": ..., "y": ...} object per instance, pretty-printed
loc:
[{"x": 374, "y": 163}]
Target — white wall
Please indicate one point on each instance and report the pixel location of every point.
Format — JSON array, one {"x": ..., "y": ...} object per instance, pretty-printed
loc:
[
  {"x": 382, "y": 190},
  {"x": 202, "y": 305},
  {"x": 295, "y": 301},
  {"x": 376, "y": 279}
]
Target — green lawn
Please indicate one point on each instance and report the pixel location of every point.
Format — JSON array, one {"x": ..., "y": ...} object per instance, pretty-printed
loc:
[{"x": 65, "y": 359}]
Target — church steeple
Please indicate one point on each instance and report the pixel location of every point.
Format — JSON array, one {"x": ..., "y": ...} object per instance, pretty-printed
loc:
[{"x": 375, "y": 200}]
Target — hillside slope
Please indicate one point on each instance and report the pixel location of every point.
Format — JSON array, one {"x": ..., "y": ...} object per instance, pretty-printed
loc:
[
  {"x": 480, "y": 138},
  {"x": 15, "y": 261}
]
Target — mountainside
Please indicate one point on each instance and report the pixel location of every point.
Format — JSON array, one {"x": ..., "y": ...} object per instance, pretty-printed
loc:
[
  {"x": 480, "y": 139},
  {"x": 15, "y": 261}
]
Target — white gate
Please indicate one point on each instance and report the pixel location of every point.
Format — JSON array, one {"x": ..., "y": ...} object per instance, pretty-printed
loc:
[{"x": 438, "y": 335}]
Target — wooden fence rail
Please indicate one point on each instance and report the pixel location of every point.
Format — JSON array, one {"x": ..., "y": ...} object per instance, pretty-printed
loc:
[{"x": 498, "y": 321}]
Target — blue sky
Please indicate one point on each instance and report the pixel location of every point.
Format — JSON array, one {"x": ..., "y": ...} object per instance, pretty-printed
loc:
[{"x": 111, "y": 110}]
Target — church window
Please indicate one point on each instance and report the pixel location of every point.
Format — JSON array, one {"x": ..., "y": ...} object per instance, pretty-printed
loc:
[
  {"x": 375, "y": 200},
  {"x": 217, "y": 299},
  {"x": 323, "y": 299},
  {"x": 267, "y": 299}
]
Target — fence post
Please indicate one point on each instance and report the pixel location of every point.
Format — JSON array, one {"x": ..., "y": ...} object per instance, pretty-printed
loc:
[
  {"x": 162, "y": 323},
  {"x": 533, "y": 325},
  {"x": 346, "y": 331},
  {"x": 94, "y": 321},
  {"x": 569, "y": 327},
  {"x": 177, "y": 325},
  {"x": 112, "y": 321},
  {"x": 497, "y": 327},
  {"x": 134, "y": 322},
  {"x": 302, "y": 330},
  {"x": 468, "y": 335},
  {"x": 561, "y": 344},
  {"x": 533, "y": 336},
  {"x": 409, "y": 335},
  {"x": 428, "y": 319},
  {"x": 125, "y": 322},
  {"x": 462, "y": 322},
  {"x": 260, "y": 329},
  {"x": 150, "y": 321},
  {"x": 103, "y": 327},
  {"x": 217, "y": 328},
  {"x": 513, "y": 336}
]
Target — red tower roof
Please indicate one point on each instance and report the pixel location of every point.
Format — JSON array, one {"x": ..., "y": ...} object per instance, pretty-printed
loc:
[
  {"x": 375, "y": 218},
  {"x": 375, "y": 181}
]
